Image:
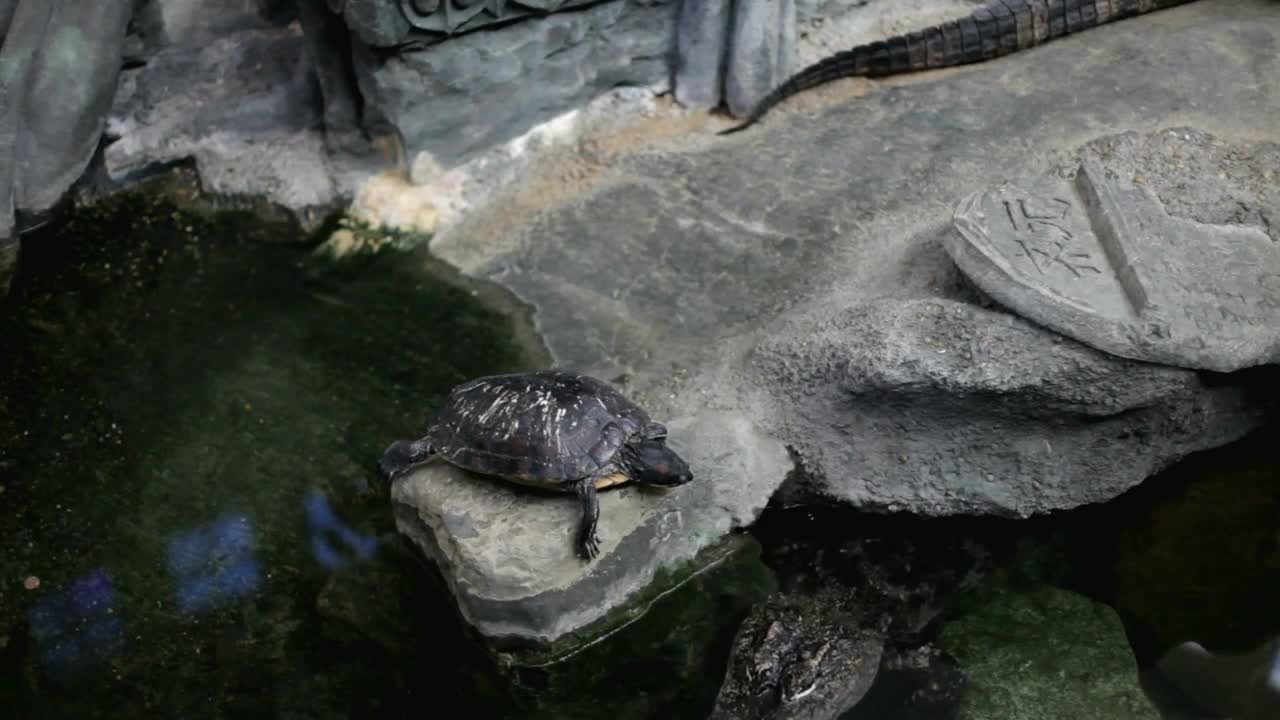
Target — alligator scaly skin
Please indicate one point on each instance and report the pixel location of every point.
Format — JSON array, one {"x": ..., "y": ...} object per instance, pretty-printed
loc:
[{"x": 998, "y": 28}]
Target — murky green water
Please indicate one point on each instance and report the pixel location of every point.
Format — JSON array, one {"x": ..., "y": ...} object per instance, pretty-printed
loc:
[{"x": 191, "y": 411}]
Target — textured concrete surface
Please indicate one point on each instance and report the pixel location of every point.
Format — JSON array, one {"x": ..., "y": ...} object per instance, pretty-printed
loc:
[{"x": 1097, "y": 258}]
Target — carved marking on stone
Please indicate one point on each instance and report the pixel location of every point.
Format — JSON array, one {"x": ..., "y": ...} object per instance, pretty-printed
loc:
[
  {"x": 1099, "y": 259},
  {"x": 453, "y": 17}
]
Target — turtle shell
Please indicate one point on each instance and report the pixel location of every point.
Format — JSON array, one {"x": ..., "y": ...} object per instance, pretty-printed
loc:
[{"x": 534, "y": 428}]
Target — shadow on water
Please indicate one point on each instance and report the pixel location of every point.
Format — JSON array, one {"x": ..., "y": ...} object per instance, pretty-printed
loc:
[{"x": 190, "y": 408}]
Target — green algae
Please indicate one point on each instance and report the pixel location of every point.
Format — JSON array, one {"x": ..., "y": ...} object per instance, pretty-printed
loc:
[
  {"x": 1044, "y": 653},
  {"x": 191, "y": 404}
]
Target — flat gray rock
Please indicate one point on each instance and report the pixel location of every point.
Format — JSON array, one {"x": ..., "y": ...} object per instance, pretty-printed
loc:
[
  {"x": 507, "y": 553},
  {"x": 1100, "y": 260}
]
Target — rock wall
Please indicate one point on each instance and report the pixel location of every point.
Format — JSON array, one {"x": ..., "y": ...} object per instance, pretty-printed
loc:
[
  {"x": 452, "y": 96},
  {"x": 456, "y": 98},
  {"x": 60, "y": 62}
]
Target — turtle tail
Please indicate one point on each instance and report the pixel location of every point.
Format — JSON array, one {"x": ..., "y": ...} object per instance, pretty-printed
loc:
[{"x": 403, "y": 454}]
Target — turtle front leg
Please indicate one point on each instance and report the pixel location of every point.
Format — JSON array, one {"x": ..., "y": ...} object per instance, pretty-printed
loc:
[{"x": 588, "y": 541}]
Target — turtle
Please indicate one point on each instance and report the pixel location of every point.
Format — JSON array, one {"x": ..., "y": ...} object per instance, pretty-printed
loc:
[{"x": 553, "y": 429}]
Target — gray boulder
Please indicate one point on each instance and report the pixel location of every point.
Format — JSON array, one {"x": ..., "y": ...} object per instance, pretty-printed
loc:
[{"x": 937, "y": 406}]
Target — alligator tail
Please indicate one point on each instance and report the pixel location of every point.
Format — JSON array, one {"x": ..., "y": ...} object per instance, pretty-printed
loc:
[{"x": 999, "y": 28}]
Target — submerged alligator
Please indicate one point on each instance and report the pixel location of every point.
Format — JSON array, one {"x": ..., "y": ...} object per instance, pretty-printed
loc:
[
  {"x": 998, "y": 28},
  {"x": 848, "y": 617}
]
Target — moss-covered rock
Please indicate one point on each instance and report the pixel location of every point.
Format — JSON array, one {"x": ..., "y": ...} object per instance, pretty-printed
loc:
[{"x": 1044, "y": 654}]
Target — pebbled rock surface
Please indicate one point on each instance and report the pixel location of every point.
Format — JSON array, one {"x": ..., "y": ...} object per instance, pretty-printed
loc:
[
  {"x": 158, "y": 24},
  {"x": 938, "y": 406}
]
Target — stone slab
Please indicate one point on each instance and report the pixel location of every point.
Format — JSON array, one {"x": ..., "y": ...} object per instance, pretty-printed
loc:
[{"x": 1100, "y": 260}]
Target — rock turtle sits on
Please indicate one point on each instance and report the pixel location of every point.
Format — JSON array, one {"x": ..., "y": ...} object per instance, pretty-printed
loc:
[{"x": 550, "y": 429}]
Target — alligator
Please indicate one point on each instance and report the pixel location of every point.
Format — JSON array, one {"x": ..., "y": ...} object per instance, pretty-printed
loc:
[
  {"x": 998, "y": 28},
  {"x": 850, "y": 623}
]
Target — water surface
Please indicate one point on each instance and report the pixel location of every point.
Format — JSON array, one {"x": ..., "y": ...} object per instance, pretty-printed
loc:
[{"x": 190, "y": 410}]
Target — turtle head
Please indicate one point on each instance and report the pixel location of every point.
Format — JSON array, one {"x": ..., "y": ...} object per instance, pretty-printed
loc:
[{"x": 651, "y": 462}]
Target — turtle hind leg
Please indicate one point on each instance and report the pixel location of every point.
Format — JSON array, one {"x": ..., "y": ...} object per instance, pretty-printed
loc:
[
  {"x": 402, "y": 455},
  {"x": 588, "y": 542}
]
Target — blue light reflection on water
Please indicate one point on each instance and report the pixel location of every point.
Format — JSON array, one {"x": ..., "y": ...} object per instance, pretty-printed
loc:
[
  {"x": 323, "y": 522},
  {"x": 77, "y": 626},
  {"x": 214, "y": 563},
  {"x": 210, "y": 564}
]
